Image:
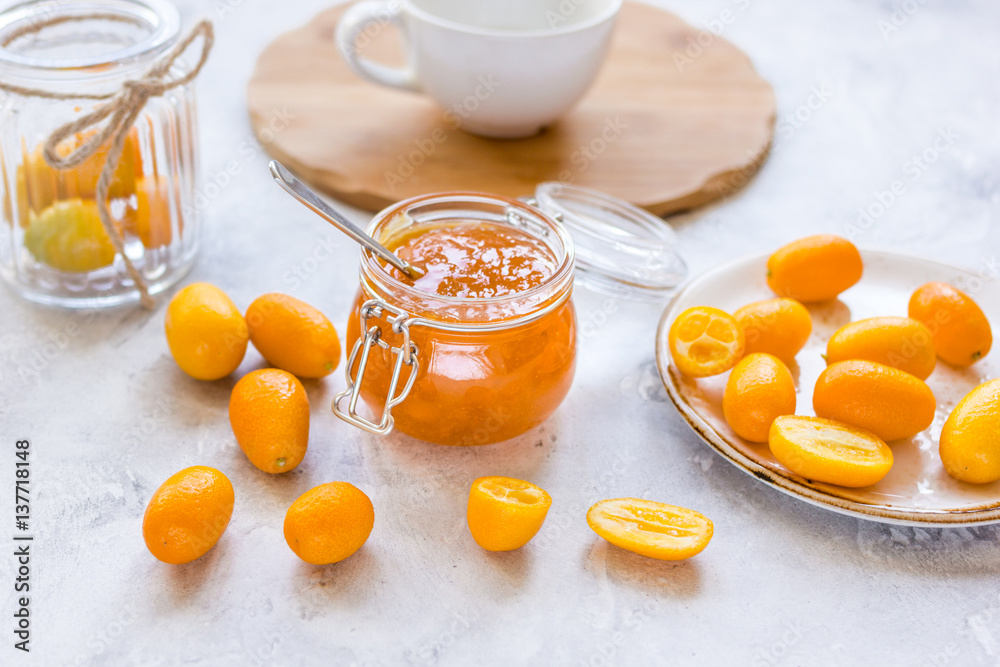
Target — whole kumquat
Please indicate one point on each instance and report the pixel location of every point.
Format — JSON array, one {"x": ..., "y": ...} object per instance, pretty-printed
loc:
[
  {"x": 505, "y": 513},
  {"x": 759, "y": 389},
  {"x": 775, "y": 326},
  {"x": 293, "y": 336},
  {"x": 814, "y": 268},
  {"x": 188, "y": 514},
  {"x": 874, "y": 397},
  {"x": 328, "y": 523},
  {"x": 206, "y": 333},
  {"x": 961, "y": 332},
  {"x": 269, "y": 413},
  {"x": 970, "y": 439},
  {"x": 900, "y": 342}
]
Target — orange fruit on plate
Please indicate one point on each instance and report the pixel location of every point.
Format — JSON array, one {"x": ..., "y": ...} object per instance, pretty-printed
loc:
[
  {"x": 775, "y": 326},
  {"x": 874, "y": 397},
  {"x": 269, "y": 413},
  {"x": 505, "y": 513},
  {"x": 649, "y": 528},
  {"x": 293, "y": 335},
  {"x": 814, "y": 268},
  {"x": 970, "y": 439},
  {"x": 759, "y": 389},
  {"x": 962, "y": 334},
  {"x": 188, "y": 514},
  {"x": 828, "y": 451},
  {"x": 900, "y": 342},
  {"x": 328, "y": 523},
  {"x": 705, "y": 341},
  {"x": 206, "y": 333}
]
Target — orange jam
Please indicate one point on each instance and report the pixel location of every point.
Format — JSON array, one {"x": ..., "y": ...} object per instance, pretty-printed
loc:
[
  {"x": 474, "y": 387},
  {"x": 474, "y": 260}
]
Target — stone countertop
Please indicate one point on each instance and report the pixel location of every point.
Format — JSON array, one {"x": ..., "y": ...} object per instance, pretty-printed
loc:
[{"x": 869, "y": 93}]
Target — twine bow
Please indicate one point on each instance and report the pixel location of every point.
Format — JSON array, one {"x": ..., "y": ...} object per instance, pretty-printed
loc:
[{"x": 114, "y": 121}]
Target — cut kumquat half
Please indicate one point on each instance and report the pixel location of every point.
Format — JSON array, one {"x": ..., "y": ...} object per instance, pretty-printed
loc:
[
  {"x": 649, "y": 528},
  {"x": 705, "y": 341},
  {"x": 505, "y": 513},
  {"x": 828, "y": 451}
]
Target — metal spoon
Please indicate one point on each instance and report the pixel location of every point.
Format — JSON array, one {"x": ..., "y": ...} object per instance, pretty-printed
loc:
[{"x": 301, "y": 191}]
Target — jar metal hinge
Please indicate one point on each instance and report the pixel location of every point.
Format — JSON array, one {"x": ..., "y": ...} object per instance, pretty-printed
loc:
[{"x": 405, "y": 354}]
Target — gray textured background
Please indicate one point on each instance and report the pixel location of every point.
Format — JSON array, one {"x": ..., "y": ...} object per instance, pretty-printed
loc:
[{"x": 110, "y": 417}]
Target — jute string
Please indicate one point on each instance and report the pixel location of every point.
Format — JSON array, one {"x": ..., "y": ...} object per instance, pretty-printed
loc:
[{"x": 120, "y": 112}]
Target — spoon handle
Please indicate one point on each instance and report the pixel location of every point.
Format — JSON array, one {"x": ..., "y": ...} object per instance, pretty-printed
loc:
[{"x": 301, "y": 191}]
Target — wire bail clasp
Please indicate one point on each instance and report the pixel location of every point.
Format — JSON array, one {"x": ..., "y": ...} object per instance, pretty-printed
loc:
[{"x": 406, "y": 354}]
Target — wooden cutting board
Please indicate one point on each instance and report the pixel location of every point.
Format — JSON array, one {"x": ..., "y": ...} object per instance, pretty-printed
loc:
[{"x": 677, "y": 117}]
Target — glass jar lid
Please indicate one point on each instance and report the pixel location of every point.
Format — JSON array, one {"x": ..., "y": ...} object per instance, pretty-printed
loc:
[
  {"x": 621, "y": 249},
  {"x": 73, "y": 38}
]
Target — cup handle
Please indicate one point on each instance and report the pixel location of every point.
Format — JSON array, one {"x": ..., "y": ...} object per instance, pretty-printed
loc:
[{"x": 368, "y": 18}]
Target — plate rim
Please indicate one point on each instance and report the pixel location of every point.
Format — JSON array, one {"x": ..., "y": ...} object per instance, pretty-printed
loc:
[{"x": 787, "y": 485}]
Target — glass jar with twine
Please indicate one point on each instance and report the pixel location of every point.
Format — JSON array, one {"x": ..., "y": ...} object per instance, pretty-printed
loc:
[{"x": 99, "y": 209}]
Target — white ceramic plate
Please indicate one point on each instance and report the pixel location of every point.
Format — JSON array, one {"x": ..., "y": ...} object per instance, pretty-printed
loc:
[{"x": 917, "y": 491}]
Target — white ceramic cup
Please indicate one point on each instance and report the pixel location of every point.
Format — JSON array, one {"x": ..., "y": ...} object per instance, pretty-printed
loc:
[{"x": 499, "y": 68}]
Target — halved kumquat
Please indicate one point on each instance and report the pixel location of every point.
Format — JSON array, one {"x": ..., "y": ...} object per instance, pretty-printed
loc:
[
  {"x": 828, "y": 451},
  {"x": 705, "y": 341},
  {"x": 649, "y": 528},
  {"x": 505, "y": 513}
]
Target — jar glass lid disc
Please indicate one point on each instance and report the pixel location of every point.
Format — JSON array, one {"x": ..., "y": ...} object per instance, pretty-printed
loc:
[{"x": 621, "y": 249}]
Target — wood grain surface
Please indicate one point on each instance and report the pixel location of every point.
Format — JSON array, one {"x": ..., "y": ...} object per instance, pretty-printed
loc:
[{"x": 677, "y": 118}]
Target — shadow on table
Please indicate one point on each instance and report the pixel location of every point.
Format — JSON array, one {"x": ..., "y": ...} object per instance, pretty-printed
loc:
[
  {"x": 823, "y": 535},
  {"x": 513, "y": 566},
  {"x": 185, "y": 582},
  {"x": 665, "y": 579},
  {"x": 352, "y": 579}
]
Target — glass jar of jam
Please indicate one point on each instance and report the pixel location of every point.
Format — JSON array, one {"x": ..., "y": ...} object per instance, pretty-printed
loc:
[
  {"x": 482, "y": 346},
  {"x": 54, "y": 247}
]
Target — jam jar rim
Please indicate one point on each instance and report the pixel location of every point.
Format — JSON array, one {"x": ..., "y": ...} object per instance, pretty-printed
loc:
[
  {"x": 560, "y": 282},
  {"x": 163, "y": 34}
]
